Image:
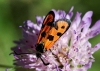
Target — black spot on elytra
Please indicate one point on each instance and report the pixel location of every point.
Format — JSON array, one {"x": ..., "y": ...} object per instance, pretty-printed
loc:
[
  {"x": 59, "y": 34},
  {"x": 62, "y": 27},
  {"x": 43, "y": 34},
  {"x": 50, "y": 37}
]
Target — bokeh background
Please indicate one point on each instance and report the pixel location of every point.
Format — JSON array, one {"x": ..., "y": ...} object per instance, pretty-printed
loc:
[{"x": 14, "y": 12}]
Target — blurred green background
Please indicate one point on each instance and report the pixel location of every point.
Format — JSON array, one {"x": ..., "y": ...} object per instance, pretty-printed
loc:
[{"x": 14, "y": 12}]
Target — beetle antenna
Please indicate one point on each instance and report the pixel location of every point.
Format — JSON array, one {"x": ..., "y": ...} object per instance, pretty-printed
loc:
[
  {"x": 19, "y": 53},
  {"x": 44, "y": 62},
  {"x": 42, "y": 59}
]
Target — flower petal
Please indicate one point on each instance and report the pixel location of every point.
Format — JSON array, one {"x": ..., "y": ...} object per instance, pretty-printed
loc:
[
  {"x": 95, "y": 30},
  {"x": 70, "y": 13},
  {"x": 76, "y": 21},
  {"x": 62, "y": 14},
  {"x": 87, "y": 21},
  {"x": 39, "y": 20},
  {"x": 95, "y": 48}
]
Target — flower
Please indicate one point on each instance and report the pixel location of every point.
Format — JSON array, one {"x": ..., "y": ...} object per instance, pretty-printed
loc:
[{"x": 72, "y": 52}]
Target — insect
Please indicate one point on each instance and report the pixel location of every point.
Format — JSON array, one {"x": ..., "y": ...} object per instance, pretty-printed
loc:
[{"x": 50, "y": 32}]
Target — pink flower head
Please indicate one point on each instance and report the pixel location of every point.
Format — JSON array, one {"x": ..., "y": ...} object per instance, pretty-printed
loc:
[{"x": 72, "y": 52}]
